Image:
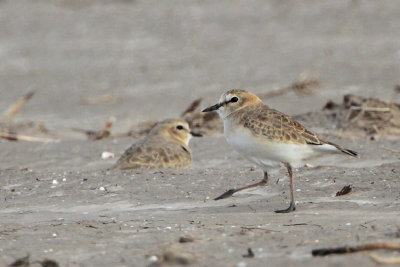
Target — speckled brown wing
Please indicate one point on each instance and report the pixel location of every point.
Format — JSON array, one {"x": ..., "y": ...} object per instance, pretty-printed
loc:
[
  {"x": 276, "y": 126},
  {"x": 155, "y": 153}
]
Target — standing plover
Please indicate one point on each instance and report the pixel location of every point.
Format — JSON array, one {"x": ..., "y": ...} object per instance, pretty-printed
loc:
[
  {"x": 268, "y": 137},
  {"x": 166, "y": 146}
]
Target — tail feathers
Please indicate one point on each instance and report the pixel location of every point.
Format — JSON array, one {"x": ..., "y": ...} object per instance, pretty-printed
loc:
[{"x": 344, "y": 150}]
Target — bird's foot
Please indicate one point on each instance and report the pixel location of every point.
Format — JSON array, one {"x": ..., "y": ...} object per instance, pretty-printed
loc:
[
  {"x": 291, "y": 208},
  {"x": 227, "y": 194}
]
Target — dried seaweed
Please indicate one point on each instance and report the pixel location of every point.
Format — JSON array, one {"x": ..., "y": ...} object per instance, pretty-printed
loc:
[
  {"x": 371, "y": 115},
  {"x": 357, "y": 116},
  {"x": 345, "y": 190}
]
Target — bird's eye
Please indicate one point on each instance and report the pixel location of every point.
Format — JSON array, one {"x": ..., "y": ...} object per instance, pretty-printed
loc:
[
  {"x": 234, "y": 99},
  {"x": 179, "y": 127}
]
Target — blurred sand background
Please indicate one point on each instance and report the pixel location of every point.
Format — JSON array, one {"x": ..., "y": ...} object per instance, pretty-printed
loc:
[{"x": 152, "y": 59}]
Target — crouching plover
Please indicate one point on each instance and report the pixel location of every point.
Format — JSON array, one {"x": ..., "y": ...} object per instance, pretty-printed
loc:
[
  {"x": 268, "y": 137},
  {"x": 166, "y": 146}
]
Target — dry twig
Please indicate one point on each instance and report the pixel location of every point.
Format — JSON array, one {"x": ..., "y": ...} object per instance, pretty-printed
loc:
[
  {"x": 380, "y": 260},
  {"x": 107, "y": 98},
  {"x": 371, "y": 109},
  {"x": 17, "y": 105},
  {"x": 391, "y": 150},
  {"x": 352, "y": 249},
  {"x": 26, "y": 138}
]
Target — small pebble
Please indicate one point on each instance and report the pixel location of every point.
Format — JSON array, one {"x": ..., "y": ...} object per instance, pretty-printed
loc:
[
  {"x": 185, "y": 239},
  {"x": 55, "y": 181},
  {"x": 107, "y": 155},
  {"x": 153, "y": 258}
]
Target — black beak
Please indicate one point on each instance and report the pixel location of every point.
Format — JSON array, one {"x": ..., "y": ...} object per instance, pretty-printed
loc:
[
  {"x": 212, "y": 108},
  {"x": 196, "y": 134}
]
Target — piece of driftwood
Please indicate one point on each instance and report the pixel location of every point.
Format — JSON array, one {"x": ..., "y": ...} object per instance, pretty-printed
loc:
[
  {"x": 352, "y": 249},
  {"x": 26, "y": 138}
]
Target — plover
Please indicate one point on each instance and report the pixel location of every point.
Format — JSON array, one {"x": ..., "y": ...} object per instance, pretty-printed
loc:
[
  {"x": 268, "y": 137},
  {"x": 166, "y": 146}
]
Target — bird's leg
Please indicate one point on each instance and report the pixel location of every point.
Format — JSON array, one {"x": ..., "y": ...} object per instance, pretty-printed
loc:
[
  {"x": 292, "y": 206},
  {"x": 230, "y": 192}
]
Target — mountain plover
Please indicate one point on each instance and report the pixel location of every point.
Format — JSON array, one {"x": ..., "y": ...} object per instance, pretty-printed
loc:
[
  {"x": 268, "y": 137},
  {"x": 166, "y": 146}
]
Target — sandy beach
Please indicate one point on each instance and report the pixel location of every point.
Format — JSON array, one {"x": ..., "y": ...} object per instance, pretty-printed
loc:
[{"x": 140, "y": 61}]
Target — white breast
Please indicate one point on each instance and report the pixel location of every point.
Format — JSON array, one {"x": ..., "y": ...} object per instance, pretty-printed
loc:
[{"x": 263, "y": 152}]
